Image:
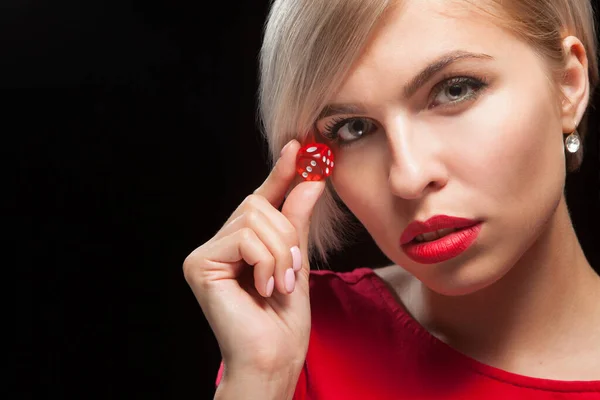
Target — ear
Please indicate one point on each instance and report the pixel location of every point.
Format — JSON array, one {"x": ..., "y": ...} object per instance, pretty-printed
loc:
[{"x": 575, "y": 83}]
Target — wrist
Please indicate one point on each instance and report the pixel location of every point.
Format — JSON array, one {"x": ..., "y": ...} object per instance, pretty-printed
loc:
[{"x": 250, "y": 385}]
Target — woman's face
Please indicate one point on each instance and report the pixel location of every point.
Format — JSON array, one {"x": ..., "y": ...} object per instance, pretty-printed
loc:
[{"x": 452, "y": 115}]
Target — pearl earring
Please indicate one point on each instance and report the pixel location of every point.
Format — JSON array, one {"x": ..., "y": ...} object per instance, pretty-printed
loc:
[{"x": 573, "y": 142}]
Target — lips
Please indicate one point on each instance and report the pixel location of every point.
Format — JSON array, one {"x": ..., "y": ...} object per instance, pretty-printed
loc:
[
  {"x": 433, "y": 224},
  {"x": 438, "y": 239}
]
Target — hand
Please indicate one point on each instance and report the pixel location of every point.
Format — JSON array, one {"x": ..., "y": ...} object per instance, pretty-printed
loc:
[{"x": 256, "y": 304}]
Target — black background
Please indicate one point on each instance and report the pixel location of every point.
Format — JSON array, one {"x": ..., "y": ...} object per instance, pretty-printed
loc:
[{"x": 135, "y": 133}]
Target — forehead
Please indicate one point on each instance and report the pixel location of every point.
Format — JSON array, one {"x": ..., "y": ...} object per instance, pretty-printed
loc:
[
  {"x": 432, "y": 26},
  {"x": 412, "y": 33}
]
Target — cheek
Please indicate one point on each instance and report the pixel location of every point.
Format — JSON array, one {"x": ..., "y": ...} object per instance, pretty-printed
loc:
[
  {"x": 513, "y": 151},
  {"x": 360, "y": 179}
]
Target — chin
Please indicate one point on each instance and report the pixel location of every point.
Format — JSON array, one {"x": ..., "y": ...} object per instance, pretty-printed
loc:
[
  {"x": 460, "y": 278},
  {"x": 460, "y": 288}
]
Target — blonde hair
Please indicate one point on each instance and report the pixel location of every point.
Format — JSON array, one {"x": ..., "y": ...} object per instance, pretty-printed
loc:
[{"x": 309, "y": 47}]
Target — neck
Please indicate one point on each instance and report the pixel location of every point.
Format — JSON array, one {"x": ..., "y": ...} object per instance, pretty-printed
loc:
[{"x": 537, "y": 319}]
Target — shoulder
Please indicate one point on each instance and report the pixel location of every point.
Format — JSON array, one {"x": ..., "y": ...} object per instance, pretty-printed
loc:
[
  {"x": 340, "y": 295},
  {"x": 397, "y": 280},
  {"x": 390, "y": 278},
  {"x": 328, "y": 284},
  {"x": 353, "y": 296},
  {"x": 332, "y": 290},
  {"x": 350, "y": 277}
]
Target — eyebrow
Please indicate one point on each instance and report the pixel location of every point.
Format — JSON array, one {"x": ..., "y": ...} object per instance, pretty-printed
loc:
[{"x": 415, "y": 84}]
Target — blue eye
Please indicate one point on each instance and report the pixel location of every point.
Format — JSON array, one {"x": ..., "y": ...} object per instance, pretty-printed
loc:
[
  {"x": 346, "y": 130},
  {"x": 456, "y": 90}
]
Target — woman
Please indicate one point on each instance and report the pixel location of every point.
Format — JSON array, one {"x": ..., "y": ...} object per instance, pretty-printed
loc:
[{"x": 453, "y": 124}]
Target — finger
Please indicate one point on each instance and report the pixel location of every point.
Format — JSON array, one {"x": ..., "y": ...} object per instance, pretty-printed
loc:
[
  {"x": 298, "y": 209},
  {"x": 281, "y": 248},
  {"x": 275, "y": 186},
  {"x": 228, "y": 255},
  {"x": 258, "y": 203},
  {"x": 279, "y": 236},
  {"x": 282, "y": 244}
]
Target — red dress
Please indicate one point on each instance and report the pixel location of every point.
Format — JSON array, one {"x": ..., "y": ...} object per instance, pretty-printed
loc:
[{"x": 364, "y": 346}]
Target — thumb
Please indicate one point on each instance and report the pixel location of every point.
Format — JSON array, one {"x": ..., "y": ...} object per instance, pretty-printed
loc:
[{"x": 298, "y": 208}]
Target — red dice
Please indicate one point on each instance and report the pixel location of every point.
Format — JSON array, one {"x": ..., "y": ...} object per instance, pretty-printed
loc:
[{"x": 314, "y": 162}]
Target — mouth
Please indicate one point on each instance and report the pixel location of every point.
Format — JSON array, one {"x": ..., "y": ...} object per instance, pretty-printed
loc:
[
  {"x": 438, "y": 239},
  {"x": 431, "y": 236}
]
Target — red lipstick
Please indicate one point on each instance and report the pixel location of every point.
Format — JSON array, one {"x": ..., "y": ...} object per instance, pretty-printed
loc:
[{"x": 443, "y": 248}]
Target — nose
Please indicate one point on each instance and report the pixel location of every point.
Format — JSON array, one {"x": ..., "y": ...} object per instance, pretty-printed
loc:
[{"x": 416, "y": 166}]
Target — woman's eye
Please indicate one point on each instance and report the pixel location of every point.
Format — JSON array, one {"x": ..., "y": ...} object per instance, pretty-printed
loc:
[
  {"x": 457, "y": 90},
  {"x": 348, "y": 130}
]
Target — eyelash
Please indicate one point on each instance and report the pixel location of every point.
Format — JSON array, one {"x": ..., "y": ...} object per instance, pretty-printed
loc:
[
  {"x": 331, "y": 129},
  {"x": 477, "y": 84}
]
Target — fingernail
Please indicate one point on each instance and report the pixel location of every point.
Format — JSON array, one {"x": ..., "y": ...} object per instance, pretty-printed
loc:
[
  {"x": 270, "y": 286},
  {"x": 296, "y": 258},
  {"x": 285, "y": 147},
  {"x": 290, "y": 280}
]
